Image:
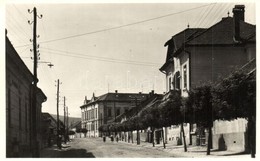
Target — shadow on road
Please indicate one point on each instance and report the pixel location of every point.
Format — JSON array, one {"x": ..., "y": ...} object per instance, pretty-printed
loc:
[
  {"x": 76, "y": 153},
  {"x": 69, "y": 153}
]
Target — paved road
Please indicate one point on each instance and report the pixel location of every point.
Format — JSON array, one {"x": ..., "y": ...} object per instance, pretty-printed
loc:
[{"x": 95, "y": 147}]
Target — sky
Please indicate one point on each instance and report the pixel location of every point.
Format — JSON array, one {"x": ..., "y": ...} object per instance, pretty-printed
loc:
[{"x": 100, "y": 48}]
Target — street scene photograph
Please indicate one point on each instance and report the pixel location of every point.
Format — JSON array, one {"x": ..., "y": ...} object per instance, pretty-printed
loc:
[{"x": 130, "y": 80}]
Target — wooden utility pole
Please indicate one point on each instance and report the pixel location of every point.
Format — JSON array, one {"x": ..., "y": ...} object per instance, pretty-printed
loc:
[
  {"x": 34, "y": 121},
  {"x": 58, "y": 120},
  {"x": 68, "y": 123},
  {"x": 64, "y": 120}
]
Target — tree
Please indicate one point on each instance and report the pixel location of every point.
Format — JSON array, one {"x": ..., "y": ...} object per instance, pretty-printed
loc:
[
  {"x": 199, "y": 109},
  {"x": 71, "y": 132},
  {"x": 235, "y": 97},
  {"x": 170, "y": 112},
  {"x": 84, "y": 131}
]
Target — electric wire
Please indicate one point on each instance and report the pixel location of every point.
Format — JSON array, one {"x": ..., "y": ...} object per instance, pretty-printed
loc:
[
  {"x": 97, "y": 57},
  {"x": 122, "y": 26},
  {"x": 105, "y": 60}
]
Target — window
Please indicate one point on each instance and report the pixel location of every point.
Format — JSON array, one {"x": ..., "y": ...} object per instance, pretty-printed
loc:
[
  {"x": 96, "y": 113},
  {"x": 109, "y": 112},
  {"x": 177, "y": 80},
  {"x": 20, "y": 114},
  {"x": 170, "y": 82},
  {"x": 118, "y": 112},
  {"x": 185, "y": 76},
  {"x": 26, "y": 118},
  {"x": 9, "y": 108}
]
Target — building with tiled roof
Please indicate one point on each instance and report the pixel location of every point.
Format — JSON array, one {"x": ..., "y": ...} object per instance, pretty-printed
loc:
[
  {"x": 105, "y": 108},
  {"x": 198, "y": 56},
  {"x": 21, "y": 139}
]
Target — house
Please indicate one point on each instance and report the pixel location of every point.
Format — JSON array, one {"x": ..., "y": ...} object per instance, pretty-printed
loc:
[
  {"x": 196, "y": 56},
  {"x": 103, "y": 109},
  {"x": 19, "y": 125},
  {"x": 49, "y": 130},
  {"x": 145, "y": 134},
  {"x": 76, "y": 127}
]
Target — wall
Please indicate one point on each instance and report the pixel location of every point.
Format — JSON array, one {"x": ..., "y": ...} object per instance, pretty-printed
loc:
[
  {"x": 232, "y": 132},
  {"x": 97, "y": 114},
  {"x": 174, "y": 135},
  {"x": 213, "y": 64},
  {"x": 18, "y": 100}
]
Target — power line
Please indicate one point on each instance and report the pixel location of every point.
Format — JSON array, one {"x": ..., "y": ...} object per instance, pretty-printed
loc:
[
  {"x": 126, "y": 25},
  {"x": 105, "y": 60},
  {"x": 97, "y": 57}
]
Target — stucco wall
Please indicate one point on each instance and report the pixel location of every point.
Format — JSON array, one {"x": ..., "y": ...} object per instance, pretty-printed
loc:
[
  {"x": 212, "y": 64},
  {"x": 173, "y": 134},
  {"x": 230, "y": 133},
  {"x": 231, "y": 141}
]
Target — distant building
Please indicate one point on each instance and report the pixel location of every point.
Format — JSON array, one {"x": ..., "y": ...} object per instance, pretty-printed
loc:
[
  {"x": 196, "y": 56},
  {"x": 76, "y": 127},
  {"x": 18, "y": 106},
  {"x": 103, "y": 109},
  {"x": 145, "y": 134},
  {"x": 49, "y": 129}
]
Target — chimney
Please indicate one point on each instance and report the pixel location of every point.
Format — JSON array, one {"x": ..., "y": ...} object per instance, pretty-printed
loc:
[
  {"x": 152, "y": 92},
  {"x": 115, "y": 91},
  {"x": 238, "y": 15}
]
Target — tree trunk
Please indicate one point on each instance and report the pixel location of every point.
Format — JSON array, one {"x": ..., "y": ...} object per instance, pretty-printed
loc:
[
  {"x": 138, "y": 137},
  {"x": 153, "y": 136},
  {"x": 184, "y": 139},
  {"x": 252, "y": 136},
  {"x": 163, "y": 139},
  {"x": 132, "y": 137},
  {"x": 128, "y": 136},
  {"x": 209, "y": 141}
]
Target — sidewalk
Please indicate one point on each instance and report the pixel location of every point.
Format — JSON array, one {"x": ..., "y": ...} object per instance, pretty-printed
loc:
[
  {"x": 54, "y": 151},
  {"x": 192, "y": 151}
]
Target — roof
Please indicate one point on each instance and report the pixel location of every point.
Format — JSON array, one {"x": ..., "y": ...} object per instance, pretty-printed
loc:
[
  {"x": 118, "y": 97},
  {"x": 76, "y": 124},
  {"x": 184, "y": 35},
  {"x": 121, "y": 96},
  {"x": 13, "y": 56},
  {"x": 136, "y": 109},
  {"x": 249, "y": 67},
  {"x": 177, "y": 40},
  {"x": 222, "y": 33}
]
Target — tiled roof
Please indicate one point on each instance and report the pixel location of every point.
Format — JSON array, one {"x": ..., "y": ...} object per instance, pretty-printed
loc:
[
  {"x": 118, "y": 97},
  {"x": 222, "y": 33},
  {"x": 75, "y": 124},
  {"x": 177, "y": 40},
  {"x": 184, "y": 36},
  {"x": 121, "y": 97},
  {"x": 136, "y": 109}
]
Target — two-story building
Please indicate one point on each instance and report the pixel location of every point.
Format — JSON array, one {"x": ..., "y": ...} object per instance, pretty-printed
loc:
[
  {"x": 19, "y": 115},
  {"x": 196, "y": 56},
  {"x": 105, "y": 108}
]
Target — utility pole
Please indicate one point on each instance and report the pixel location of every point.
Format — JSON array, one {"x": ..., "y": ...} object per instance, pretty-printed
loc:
[
  {"x": 34, "y": 110},
  {"x": 68, "y": 123},
  {"x": 58, "y": 121},
  {"x": 64, "y": 120}
]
